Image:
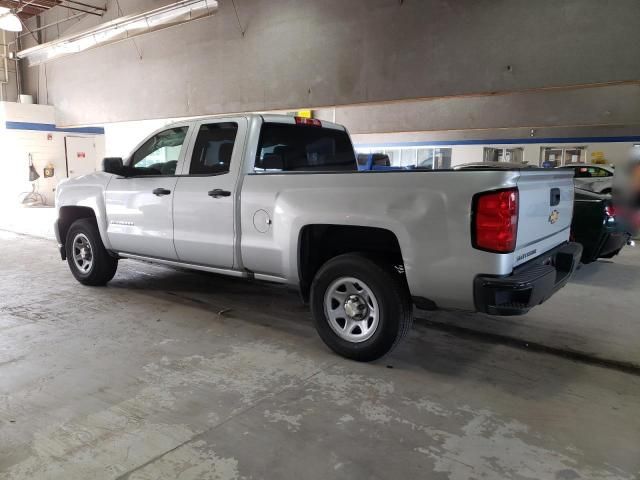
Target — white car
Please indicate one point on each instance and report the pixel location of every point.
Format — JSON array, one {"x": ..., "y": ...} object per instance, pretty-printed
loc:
[
  {"x": 595, "y": 178},
  {"x": 280, "y": 199}
]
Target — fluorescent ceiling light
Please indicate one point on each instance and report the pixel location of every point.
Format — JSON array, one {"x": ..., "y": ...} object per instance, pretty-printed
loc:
[
  {"x": 9, "y": 21},
  {"x": 120, "y": 29}
]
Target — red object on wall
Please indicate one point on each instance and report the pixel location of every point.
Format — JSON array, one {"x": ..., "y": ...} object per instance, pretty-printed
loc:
[
  {"x": 82, "y": 155},
  {"x": 49, "y": 136}
]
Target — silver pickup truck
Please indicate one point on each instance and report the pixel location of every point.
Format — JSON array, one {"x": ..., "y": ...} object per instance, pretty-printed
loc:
[{"x": 279, "y": 198}]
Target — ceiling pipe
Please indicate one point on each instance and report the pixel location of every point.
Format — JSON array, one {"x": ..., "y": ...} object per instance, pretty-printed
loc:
[{"x": 120, "y": 29}]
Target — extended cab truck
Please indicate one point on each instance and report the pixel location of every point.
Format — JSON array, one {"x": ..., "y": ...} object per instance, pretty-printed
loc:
[{"x": 279, "y": 198}]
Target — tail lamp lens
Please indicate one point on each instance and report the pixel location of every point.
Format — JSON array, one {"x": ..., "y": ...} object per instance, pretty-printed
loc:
[
  {"x": 496, "y": 221},
  {"x": 611, "y": 211}
]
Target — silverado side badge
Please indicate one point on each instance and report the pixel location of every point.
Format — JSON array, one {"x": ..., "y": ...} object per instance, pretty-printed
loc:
[{"x": 554, "y": 217}]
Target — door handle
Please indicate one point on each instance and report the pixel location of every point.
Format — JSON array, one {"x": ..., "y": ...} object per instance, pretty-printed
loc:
[
  {"x": 159, "y": 192},
  {"x": 218, "y": 192}
]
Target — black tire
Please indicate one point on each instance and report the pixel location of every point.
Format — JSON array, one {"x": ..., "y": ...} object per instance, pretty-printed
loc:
[
  {"x": 389, "y": 288},
  {"x": 103, "y": 266}
]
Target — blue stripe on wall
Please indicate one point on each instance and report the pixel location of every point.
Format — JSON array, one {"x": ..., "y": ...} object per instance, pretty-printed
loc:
[
  {"x": 50, "y": 127},
  {"x": 503, "y": 141}
]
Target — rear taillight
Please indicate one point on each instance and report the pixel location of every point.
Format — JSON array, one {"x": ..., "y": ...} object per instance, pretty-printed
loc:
[
  {"x": 610, "y": 211},
  {"x": 314, "y": 122},
  {"x": 495, "y": 221}
]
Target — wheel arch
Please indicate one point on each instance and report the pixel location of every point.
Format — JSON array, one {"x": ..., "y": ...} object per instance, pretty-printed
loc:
[
  {"x": 318, "y": 243},
  {"x": 69, "y": 214}
]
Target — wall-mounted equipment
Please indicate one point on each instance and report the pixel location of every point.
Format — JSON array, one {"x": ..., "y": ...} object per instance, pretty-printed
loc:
[
  {"x": 33, "y": 173},
  {"x": 122, "y": 28},
  {"x": 33, "y": 198},
  {"x": 49, "y": 171}
]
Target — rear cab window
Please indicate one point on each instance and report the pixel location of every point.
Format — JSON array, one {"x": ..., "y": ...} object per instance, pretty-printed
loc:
[{"x": 303, "y": 148}]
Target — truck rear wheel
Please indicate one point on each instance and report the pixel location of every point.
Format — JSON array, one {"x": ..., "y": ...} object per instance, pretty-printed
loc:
[
  {"x": 361, "y": 308},
  {"x": 88, "y": 260}
]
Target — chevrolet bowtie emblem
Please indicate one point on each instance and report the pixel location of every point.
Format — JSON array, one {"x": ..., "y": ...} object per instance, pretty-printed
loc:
[{"x": 554, "y": 217}]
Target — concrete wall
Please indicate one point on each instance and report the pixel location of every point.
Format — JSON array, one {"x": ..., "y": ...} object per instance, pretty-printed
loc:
[
  {"x": 311, "y": 53},
  {"x": 603, "y": 106}
]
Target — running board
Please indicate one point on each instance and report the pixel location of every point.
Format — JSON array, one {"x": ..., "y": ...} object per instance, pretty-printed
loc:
[{"x": 192, "y": 266}]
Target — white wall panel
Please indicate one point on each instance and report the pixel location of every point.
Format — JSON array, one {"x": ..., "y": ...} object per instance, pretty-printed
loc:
[{"x": 46, "y": 148}]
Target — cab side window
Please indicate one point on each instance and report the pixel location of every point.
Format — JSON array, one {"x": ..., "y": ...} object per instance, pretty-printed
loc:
[
  {"x": 213, "y": 148},
  {"x": 159, "y": 155},
  {"x": 582, "y": 172},
  {"x": 600, "y": 172}
]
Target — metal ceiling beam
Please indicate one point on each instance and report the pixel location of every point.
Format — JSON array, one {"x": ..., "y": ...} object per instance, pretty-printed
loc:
[
  {"x": 75, "y": 9},
  {"x": 36, "y": 3},
  {"x": 104, "y": 9},
  {"x": 27, "y": 9}
]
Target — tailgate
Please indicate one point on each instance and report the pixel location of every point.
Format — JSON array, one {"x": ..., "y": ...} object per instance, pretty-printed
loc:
[{"x": 546, "y": 208}]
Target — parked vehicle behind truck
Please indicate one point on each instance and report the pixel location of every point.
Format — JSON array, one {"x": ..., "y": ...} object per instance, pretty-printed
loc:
[
  {"x": 595, "y": 178},
  {"x": 279, "y": 198},
  {"x": 599, "y": 225},
  {"x": 375, "y": 161}
]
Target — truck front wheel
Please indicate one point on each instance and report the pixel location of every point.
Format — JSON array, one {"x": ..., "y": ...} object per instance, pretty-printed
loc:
[
  {"x": 88, "y": 260},
  {"x": 361, "y": 308}
]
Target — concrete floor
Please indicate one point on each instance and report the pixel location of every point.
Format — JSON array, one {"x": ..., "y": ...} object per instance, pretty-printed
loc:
[{"x": 170, "y": 374}]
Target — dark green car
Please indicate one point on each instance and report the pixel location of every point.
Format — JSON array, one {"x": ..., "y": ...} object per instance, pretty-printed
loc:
[{"x": 598, "y": 226}]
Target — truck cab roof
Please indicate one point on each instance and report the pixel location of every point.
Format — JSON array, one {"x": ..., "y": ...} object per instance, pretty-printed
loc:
[{"x": 267, "y": 118}]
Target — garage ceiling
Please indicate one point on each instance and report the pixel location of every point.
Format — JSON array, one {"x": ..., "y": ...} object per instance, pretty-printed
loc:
[
  {"x": 31, "y": 8},
  {"x": 27, "y": 9}
]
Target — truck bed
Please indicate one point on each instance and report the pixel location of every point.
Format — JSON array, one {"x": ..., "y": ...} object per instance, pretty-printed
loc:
[{"x": 430, "y": 213}]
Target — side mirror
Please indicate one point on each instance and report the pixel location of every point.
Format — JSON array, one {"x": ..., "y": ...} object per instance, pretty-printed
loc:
[{"x": 113, "y": 165}]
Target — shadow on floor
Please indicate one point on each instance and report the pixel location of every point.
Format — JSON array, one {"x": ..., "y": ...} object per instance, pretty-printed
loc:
[
  {"x": 601, "y": 273},
  {"x": 446, "y": 351}
]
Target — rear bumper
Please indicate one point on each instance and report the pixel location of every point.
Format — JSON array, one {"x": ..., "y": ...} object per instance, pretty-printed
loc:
[
  {"x": 529, "y": 285},
  {"x": 61, "y": 249}
]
